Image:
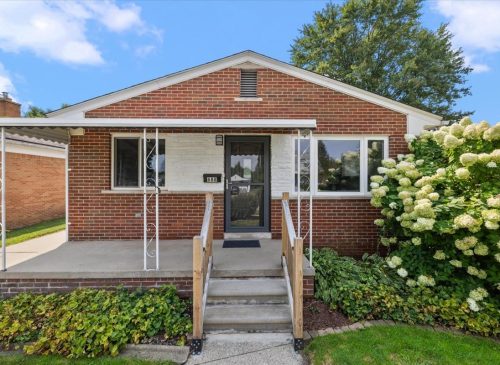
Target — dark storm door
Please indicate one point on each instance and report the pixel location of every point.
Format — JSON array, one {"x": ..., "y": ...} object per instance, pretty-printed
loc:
[{"x": 247, "y": 185}]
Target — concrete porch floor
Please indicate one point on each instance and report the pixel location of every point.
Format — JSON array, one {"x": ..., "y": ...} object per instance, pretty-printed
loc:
[{"x": 124, "y": 259}]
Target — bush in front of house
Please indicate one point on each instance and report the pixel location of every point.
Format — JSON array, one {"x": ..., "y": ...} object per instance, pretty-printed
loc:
[
  {"x": 441, "y": 208},
  {"x": 369, "y": 289},
  {"x": 90, "y": 323}
]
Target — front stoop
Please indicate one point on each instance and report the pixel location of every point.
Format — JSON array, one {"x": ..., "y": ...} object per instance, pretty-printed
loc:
[{"x": 247, "y": 305}]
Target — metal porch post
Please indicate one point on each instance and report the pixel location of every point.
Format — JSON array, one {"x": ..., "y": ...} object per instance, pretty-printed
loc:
[
  {"x": 145, "y": 200},
  {"x": 298, "y": 183},
  {"x": 310, "y": 202},
  {"x": 157, "y": 202}
]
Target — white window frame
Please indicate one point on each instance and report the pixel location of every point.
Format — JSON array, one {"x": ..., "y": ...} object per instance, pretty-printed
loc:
[
  {"x": 140, "y": 137},
  {"x": 364, "y": 186}
]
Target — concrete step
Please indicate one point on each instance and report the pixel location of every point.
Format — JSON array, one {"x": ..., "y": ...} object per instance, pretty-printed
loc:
[
  {"x": 247, "y": 291},
  {"x": 247, "y": 318}
]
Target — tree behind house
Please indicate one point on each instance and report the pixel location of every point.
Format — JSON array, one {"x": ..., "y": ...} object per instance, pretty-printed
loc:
[{"x": 381, "y": 46}]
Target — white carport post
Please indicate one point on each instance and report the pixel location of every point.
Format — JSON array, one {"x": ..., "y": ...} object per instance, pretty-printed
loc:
[
  {"x": 4, "y": 259},
  {"x": 66, "y": 170}
]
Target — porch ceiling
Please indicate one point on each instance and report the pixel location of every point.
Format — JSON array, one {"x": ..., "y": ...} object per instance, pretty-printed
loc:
[{"x": 56, "y": 136}]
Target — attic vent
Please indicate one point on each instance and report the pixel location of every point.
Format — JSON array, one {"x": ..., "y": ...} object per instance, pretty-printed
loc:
[{"x": 248, "y": 84}]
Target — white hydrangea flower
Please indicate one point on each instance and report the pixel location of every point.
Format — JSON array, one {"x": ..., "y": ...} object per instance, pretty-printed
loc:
[
  {"x": 411, "y": 283},
  {"x": 439, "y": 136},
  {"x": 456, "y": 263},
  {"x": 379, "y": 222},
  {"x": 491, "y": 215},
  {"x": 439, "y": 255},
  {"x": 491, "y": 164},
  {"x": 482, "y": 274},
  {"x": 456, "y": 130},
  {"x": 423, "y": 224},
  {"x": 393, "y": 205},
  {"x": 405, "y": 182},
  {"x": 451, "y": 142},
  {"x": 472, "y": 305},
  {"x": 419, "y": 162},
  {"x": 465, "y": 121},
  {"x": 417, "y": 241},
  {"x": 374, "y": 185},
  {"x": 484, "y": 158},
  {"x": 494, "y": 201},
  {"x": 469, "y": 253},
  {"x": 491, "y": 225},
  {"x": 377, "y": 179},
  {"x": 441, "y": 172},
  {"x": 483, "y": 126},
  {"x": 495, "y": 156},
  {"x": 462, "y": 173},
  {"x": 409, "y": 138},
  {"x": 376, "y": 202},
  {"x": 471, "y": 132},
  {"x": 392, "y": 173},
  {"x": 481, "y": 250},
  {"x": 400, "y": 157},
  {"x": 381, "y": 170},
  {"x": 497, "y": 257},
  {"x": 493, "y": 133},
  {"x": 472, "y": 270},
  {"x": 405, "y": 194},
  {"x": 378, "y": 193},
  {"x": 402, "y": 272},
  {"x": 478, "y": 294},
  {"x": 468, "y": 159},
  {"x": 389, "y": 163},
  {"x": 466, "y": 243},
  {"x": 467, "y": 221},
  {"x": 425, "y": 280},
  {"x": 433, "y": 196}
]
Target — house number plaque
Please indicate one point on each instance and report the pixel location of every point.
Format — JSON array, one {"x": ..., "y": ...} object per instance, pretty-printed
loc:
[{"x": 212, "y": 178}]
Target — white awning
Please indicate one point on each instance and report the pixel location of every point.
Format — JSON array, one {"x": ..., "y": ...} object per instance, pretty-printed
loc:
[{"x": 157, "y": 123}]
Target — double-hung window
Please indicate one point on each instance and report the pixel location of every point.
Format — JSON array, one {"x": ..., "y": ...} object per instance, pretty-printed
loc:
[
  {"x": 339, "y": 166},
  {"x": 128, "y": 159}
]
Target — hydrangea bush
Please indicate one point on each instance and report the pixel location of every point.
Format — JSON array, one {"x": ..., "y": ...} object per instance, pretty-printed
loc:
[{"x": 441, "y": 209}]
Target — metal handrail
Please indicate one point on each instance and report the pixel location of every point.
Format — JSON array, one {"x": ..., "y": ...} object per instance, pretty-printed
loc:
[{"x": 289, "y": 222}]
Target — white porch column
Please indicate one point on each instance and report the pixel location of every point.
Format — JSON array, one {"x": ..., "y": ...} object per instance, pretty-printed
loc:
[{"x": 66, "y": 171}]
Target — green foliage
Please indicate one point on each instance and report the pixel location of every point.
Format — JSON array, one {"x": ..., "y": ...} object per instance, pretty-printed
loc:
[
  {"x": 441, "y": 208},
  {"x": 89, "y": 322},
  {"x": 381, "y": 46},
  {"x": 368, "y": 289},
  {"x": 36, "y": 112}
]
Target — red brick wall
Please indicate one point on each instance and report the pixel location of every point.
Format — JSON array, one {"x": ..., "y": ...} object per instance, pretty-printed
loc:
[
  {"x": 11, "y": 287},
  {"x": 344, "y": 224},
  {"x": 9, "y": 108},
  {"x": 34, "y": 189}
]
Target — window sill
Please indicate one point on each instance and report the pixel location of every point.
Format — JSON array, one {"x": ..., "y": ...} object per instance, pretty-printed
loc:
[
  {"x": 305, "y": 196},
  {"x": 247, "y": 99}
]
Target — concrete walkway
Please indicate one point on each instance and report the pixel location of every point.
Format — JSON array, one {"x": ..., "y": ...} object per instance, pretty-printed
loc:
[
  {"x": 252, "y": 348},
  {"x": 27, "y": 250}
]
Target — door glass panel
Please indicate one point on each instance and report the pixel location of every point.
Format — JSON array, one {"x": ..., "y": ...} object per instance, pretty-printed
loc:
[
  {"x": 247, "y": 162},
  {"x": 247, "y": 203}
]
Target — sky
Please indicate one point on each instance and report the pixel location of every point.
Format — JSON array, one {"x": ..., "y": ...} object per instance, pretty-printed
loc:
[{"x": 65, "y": 52}]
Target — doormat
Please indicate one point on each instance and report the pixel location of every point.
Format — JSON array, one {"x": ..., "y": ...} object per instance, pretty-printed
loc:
[{"x": 240, "y": 243}]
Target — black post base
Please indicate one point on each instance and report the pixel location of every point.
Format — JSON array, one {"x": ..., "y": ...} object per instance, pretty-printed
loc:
[
  {"x": 298, "y": 344},
  {"x": 196, "y": 346}
]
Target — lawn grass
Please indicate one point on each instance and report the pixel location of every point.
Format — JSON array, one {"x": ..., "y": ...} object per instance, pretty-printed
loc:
[
  {"x": 19, "y": 359},
  {"x": 402, "y": 345},
  {"x": 36, "y": 230}
]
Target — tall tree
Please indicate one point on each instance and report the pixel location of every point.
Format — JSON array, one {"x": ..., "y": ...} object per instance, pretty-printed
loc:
[{"x": 381, "y": 46}]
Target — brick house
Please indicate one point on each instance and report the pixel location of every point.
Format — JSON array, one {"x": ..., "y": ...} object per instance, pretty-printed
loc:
[
  {"x": 36, "y": 165},
  {"x": 284, "y": 154}
]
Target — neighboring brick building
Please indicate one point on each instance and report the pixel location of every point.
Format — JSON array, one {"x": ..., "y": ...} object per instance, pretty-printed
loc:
[
  {"x": 35, "y": 178},
  {"x": 254, "y": 106}
]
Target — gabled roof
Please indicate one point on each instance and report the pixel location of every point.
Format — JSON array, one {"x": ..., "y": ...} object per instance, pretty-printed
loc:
[{"x": 78, "y": 110}]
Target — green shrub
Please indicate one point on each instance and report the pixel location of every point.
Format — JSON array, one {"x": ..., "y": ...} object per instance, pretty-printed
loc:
[
  {"x": 369, "y": 289},
  {"x": 441, "y": 208},
  {"x": 90, "y": 323}
]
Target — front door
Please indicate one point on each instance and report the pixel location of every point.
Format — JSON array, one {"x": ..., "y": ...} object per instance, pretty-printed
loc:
[{"x": 247, "y": 184}]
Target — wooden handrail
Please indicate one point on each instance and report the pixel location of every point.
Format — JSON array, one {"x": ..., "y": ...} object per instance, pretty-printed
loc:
[
  {"x": 292, "y": 261},
  {"x": 202, "y": 265}
]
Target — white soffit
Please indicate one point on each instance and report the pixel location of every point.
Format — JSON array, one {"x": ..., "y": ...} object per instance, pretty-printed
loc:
[{"x": 243, "y": 60}]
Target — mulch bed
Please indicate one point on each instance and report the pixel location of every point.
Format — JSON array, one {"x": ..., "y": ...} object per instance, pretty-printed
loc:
[{"x": 318, "y": 315}]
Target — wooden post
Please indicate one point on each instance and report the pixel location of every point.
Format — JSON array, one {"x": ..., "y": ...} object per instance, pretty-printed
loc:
[
  {"x": 298, "y": 275},
  {"x": 284, "y": 231},
  {"x": 197, "y": 288}
]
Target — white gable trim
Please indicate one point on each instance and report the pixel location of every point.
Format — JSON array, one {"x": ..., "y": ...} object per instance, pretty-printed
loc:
[{"x": 78, "y": 110}]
